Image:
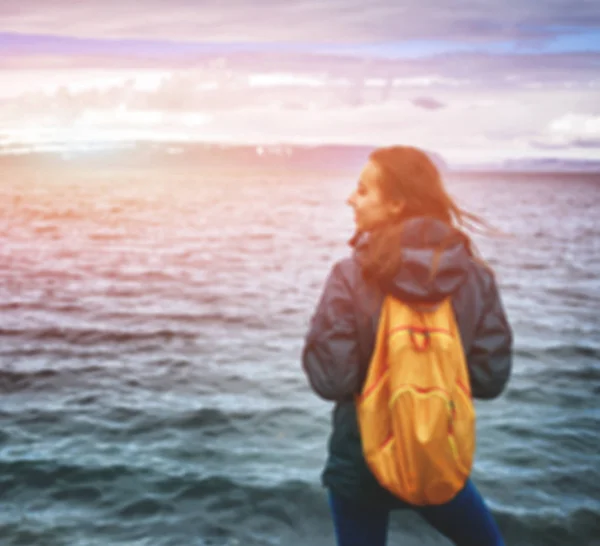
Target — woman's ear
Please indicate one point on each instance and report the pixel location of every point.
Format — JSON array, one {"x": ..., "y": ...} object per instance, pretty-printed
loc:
[{"x": 396, "y": 209}]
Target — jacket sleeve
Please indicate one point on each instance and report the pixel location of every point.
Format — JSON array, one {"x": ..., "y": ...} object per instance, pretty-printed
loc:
[
  {"x": 490, "y": 356},
  {"x": 331, "y": 356}
]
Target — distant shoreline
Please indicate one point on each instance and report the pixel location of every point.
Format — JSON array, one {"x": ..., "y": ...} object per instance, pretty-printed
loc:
[{"x": 318, "y": 158}]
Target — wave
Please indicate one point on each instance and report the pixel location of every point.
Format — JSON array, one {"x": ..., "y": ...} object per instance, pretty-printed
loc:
[
  {"x": 562, "y": 351},
  {"x": 89, "y": 484},
  {"x": 123, "y": 496},
  {"x": 541, "y": 528},
  {"x": 94, "y": 336},
  {"x": 204, "y": 422},
  {"x": 568, "y": 295},
  {"x": 13, "y": 381}
]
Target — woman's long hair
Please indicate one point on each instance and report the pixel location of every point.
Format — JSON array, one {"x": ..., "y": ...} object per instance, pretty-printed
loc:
[{"x": 409, "y": 175}]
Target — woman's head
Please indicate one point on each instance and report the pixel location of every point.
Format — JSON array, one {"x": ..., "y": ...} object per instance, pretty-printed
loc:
[{"x": 398, "y": 183}]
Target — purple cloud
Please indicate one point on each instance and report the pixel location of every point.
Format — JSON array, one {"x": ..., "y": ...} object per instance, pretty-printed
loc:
[
  {"x": 314, "y": 21},
  {"x": 428, "y": 103}
]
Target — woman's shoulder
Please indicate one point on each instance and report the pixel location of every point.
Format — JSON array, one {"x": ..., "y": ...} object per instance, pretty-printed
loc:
[
  {"x": 478, "y": 293},
  {"x": 348, "y": 270},
  {"x": 481, "y": 275}
]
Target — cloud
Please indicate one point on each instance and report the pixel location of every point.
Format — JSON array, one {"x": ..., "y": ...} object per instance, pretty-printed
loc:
[
  {"x": 570, "y": 131},
  {"x": 586, "y": 143},
  {"x": 244, "y": 83},
  {"x": 334, "y": 21},
  {"x": 589, "y": 144},
  {"x": 220, "y": 104},
  {"x": 428, "y": 103},
  {"x": 440, "y": 71},
  {"x": 304, "y": 70}
]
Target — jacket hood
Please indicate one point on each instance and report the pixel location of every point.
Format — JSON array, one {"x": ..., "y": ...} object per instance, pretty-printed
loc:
[{"x": 435, "y": 261}]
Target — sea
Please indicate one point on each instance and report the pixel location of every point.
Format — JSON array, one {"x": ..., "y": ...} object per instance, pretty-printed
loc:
[{"x": 152, "y": 322}]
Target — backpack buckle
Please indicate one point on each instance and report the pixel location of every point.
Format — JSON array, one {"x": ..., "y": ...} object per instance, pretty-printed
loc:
[{"x": 415, "y": 334}]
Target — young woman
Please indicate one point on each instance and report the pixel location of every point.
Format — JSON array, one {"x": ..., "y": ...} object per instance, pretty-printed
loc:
[{"x": 408, "y": 243}]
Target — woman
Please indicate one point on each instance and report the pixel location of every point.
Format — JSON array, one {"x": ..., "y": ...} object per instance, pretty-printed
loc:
[{"x": 409, "y": 244}]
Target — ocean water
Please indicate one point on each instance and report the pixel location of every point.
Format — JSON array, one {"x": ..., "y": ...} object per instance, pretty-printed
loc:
[{"x": 151, "y": 392}]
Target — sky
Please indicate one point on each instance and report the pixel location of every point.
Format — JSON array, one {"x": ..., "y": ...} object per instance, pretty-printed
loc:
[{"x": 474, "y": 80}]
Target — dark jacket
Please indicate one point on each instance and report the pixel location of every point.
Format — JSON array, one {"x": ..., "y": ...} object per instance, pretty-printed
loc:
[{"x": 341, "y": 338}]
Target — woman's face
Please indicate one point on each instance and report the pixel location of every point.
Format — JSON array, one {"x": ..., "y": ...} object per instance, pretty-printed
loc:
[{"x": 371, "y": 210}]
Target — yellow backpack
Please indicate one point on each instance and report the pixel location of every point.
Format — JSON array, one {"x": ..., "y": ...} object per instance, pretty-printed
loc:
[{"x": 415, "y": 412}]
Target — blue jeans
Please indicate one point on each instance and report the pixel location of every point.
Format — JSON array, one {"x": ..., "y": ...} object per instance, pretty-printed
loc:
[{"x": 465, "y": 520}]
